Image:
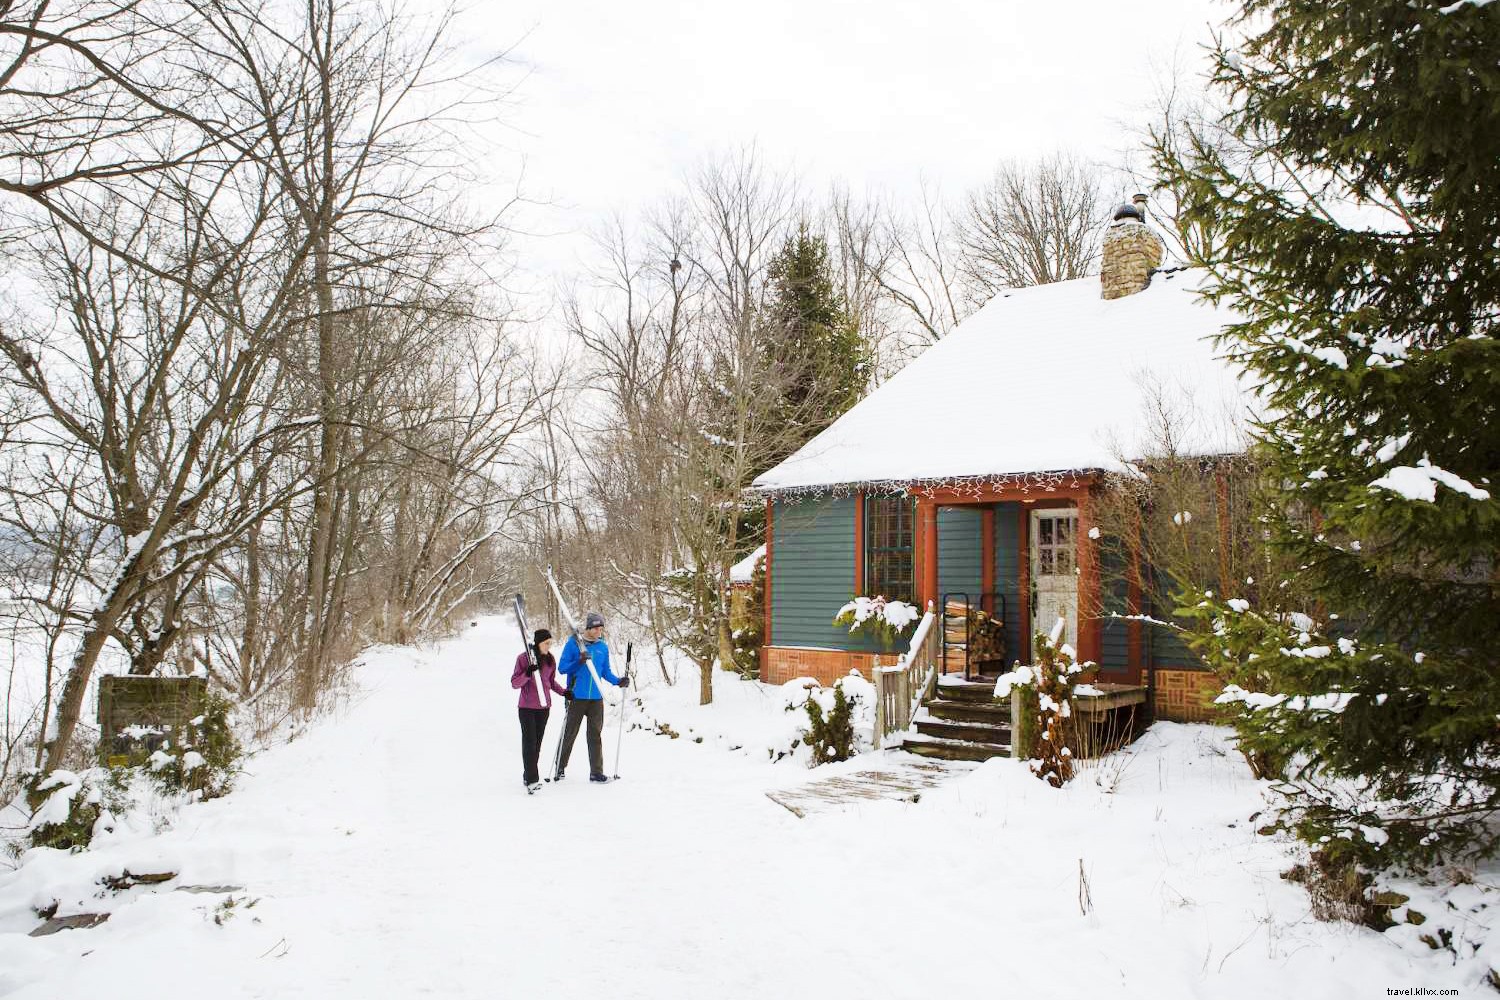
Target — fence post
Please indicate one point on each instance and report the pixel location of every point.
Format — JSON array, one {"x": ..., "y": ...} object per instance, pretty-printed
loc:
[{"x": 879, "y": 707}]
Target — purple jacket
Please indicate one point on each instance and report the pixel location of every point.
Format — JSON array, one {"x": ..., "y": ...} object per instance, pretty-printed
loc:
[{"x": 522, "y": 680}]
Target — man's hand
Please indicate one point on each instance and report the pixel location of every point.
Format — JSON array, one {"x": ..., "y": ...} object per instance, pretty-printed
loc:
[{"x": 625, "y": 681}]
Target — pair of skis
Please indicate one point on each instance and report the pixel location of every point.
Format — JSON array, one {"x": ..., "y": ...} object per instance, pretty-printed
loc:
[{"x": 544, "y": 698}]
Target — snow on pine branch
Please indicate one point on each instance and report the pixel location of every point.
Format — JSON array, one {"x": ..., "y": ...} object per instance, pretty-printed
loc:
[{"x": 1420, "y": 482}]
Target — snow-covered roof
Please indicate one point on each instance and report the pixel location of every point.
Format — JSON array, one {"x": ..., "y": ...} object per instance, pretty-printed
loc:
[
  {"x": 1041, "y": 380},
  {"x": 744, "y": 570}
]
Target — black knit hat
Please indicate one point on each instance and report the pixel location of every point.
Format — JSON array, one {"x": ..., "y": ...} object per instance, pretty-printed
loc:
[{"x": 540, "y": 636}]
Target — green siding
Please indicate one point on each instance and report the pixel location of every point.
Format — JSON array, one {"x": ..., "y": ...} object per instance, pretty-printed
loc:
[
  {"x": 812, "y": 572},
  {"x": 1008, "y": 573},
  {"x": 960, "y": 551},
  {"x": 1115, "y": 638},
  {"x": 1163, "y": 648}
]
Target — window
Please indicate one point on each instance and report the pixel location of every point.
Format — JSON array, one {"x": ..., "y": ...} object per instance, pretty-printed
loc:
[{"x": 889, "y": 526}]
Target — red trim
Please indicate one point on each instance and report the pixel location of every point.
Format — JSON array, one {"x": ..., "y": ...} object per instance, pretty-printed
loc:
[
  {"x": 954, "y": 495},
  {"x": 927, "y": 533},
  {"x": 987, "y": 557},
  {"x": 859, "y": 542},
  {"x": 1023, "y": 560},
  {"x": 1090, "y": 628}
]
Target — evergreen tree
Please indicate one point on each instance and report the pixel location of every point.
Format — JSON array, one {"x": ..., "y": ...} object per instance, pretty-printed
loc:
[
  {"x": 1360, "y": 204},
  {"x": 810, "y": 332}
]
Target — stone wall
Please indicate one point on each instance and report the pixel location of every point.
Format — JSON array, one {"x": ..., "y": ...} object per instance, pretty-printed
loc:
[{"x": 1130, "y": 252}]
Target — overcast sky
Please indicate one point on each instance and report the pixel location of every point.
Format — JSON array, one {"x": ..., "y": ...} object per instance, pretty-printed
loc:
[{"x": 622, "y": 97}]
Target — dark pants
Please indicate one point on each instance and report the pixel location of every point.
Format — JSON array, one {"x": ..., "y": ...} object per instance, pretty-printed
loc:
[
  {"x": 533, "y": 725},
  {"x": 593, "y": 711}
]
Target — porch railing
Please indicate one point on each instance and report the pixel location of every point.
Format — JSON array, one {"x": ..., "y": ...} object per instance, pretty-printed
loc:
[{"x": 899, "y": 690}]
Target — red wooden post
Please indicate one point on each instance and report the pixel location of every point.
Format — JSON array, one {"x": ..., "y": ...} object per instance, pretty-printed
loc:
[
  {"x": 1090, "y": 597},
  {"x": 927, "y": 530}
]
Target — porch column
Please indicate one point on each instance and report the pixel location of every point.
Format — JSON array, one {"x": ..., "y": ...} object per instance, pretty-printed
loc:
[
  {"x": 1090, "y": 600},
  {"x": 927, "y": 545}
]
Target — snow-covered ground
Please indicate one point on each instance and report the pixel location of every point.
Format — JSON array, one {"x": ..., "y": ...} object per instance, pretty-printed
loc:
[{"x": 391, "y": 852}]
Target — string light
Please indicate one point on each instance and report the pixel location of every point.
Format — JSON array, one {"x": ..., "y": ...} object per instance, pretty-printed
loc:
[{"x": 976, "y": 487}]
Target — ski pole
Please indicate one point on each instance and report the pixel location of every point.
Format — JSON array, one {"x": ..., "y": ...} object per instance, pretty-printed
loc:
[{"x": 624, "y": 697}]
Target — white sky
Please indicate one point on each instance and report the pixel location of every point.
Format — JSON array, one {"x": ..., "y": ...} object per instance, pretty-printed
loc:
[{"x": 622, "y": 97}]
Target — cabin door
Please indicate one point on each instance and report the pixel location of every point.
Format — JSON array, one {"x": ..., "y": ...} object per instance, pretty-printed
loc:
[{"x": 1054, "y": 571}]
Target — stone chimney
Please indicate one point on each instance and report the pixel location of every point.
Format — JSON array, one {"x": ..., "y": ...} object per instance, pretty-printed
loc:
[{"x": 1131, "y": 251}]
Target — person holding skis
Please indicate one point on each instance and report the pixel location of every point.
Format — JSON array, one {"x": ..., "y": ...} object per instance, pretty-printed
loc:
[
  {"x": 535, "y": 705},
  {"x": 586, "y": 701}
]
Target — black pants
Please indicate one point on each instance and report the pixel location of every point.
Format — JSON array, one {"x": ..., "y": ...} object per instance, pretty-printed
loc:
[
  {"x": 593, "y": 711},
  {"x": 533, "y": 725}
]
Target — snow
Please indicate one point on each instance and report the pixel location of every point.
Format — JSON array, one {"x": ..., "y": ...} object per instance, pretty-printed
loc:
[
  {"x": 390, "y": 851},
  {"x": 1420, "y": 482},
  {"x": 744, "y": 570},
  {"x": 899, "y": 615},
  {"x": 921, "y": 424}
]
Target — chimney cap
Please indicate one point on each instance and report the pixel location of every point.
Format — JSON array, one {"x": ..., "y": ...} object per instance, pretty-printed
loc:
[{"x": 1129, "y": 211}]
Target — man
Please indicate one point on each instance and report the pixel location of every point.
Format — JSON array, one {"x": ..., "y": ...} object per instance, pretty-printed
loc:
[{"x": 587, "y": 701}]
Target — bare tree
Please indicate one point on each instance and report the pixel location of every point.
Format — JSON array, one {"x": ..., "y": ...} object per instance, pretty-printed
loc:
[{"x": 1033, "y": 224}]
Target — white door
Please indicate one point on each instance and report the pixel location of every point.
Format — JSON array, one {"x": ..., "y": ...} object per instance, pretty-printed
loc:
[{"x": 1054, "y": 571}]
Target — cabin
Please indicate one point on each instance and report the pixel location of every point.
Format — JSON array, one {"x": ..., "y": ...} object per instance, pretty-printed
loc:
[{"x": 967, "y": 483}]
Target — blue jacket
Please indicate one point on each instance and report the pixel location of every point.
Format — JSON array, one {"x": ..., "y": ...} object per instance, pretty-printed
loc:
[{"x": 579, "y": 680}]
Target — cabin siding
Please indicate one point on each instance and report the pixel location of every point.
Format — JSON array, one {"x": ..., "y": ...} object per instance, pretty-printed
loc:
[
  {"x": 1008, "y": 573},
  {"x": 960, "y": 551},
  {"x": 814, "y": 573},
  {"x": 1114, "y": 599}
]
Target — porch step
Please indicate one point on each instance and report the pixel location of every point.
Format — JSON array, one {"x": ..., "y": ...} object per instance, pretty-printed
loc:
[
  {"x": 968, "y": 732},
  {"x": 945, "y": 749},
  {"x": 957, "y": 689},
  {"x": 997, "y": 714}
]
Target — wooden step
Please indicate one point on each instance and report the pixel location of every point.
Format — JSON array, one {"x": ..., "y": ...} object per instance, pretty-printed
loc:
[
  {"x": 955, "y": 689},
  {"x": 941, "y": 749},
  {"x": 996, "y": 714},
  {"x": 968, "y": 732}
]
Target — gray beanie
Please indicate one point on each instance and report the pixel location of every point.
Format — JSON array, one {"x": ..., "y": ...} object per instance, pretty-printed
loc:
[{"x": 593, "y": 620}]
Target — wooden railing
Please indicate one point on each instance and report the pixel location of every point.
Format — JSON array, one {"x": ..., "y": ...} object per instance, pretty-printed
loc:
[{"x": 900, "y": 690}]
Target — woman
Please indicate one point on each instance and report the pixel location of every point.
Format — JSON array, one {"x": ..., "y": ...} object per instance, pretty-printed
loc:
[{"x": 534, "y": 708}]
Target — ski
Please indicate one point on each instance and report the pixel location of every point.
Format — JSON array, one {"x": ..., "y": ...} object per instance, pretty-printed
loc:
[{"x": 543, "y": 696}]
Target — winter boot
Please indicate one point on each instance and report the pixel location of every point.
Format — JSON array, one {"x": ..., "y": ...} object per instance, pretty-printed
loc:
[{"x": 601, "y": 779}]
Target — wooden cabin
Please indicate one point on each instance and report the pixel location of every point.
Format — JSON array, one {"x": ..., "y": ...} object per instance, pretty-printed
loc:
[{"x": 967, "y": 481}]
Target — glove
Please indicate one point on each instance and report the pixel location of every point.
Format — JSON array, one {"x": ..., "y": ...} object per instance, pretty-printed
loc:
[
  {"x": 532, "y": 668},
  {"x": 567, "y": 695},
  {"x": 625, "y": 681}
]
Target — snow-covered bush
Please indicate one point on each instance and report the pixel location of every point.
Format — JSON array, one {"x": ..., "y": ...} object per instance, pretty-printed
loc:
[
  {"x": 838, "y": 717},
  {"x": 70, "y": 806},
  {"x": 206, "y": 758},
  {"x": 1044, "y": 691},
  {"x": 886, "y": 620}
]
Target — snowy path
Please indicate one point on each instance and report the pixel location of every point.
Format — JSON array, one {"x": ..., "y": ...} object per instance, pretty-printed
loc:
[{"x": 395, "y": 854}]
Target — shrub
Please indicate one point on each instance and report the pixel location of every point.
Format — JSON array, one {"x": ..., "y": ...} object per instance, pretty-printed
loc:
[
  {"x": 886, "y": 620},
  {"x": 1045, "y": 690},
  {"x": 207, "y": 756},
  {"x": 831, "y": 733},
  {"x": 68, "y": 806}
]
